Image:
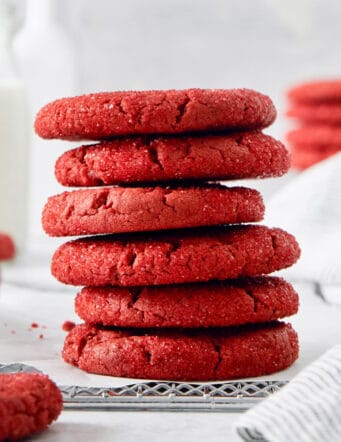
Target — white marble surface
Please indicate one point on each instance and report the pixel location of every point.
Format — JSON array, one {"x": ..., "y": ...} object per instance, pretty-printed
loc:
[
  {"x": 317, "y": 323},
  {"x": 142, "y": 427}
]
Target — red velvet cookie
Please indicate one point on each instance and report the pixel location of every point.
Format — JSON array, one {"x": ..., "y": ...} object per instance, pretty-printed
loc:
[
  {"x": 316, "y": 138},
  {"x": 316, "y": 92},
  {"x": 175, "y": 256},
  {"x": 29, "y": 402},
  {"x": 329, "y": 114},
  {"x": 133, "y": 209},
  {"x": 213, "y": 304},
  {"x": 108, "y": 114},
  {"x": 302, "y": 158},
  {"x": 312, "y": 144},
  {"x": 206, "y": 157},
  {"x": 196, "y": 355},
  {"x": 7, "y": 247}
]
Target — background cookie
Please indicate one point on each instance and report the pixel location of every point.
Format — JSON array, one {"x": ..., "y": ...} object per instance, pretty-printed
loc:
[
  {"x": 302, "y": 158},
  {"x": 133, "y": 209},
  {"x": 212, "y": 304},
  {"x": 103, "y": 115},
  {"x": 316, "y": 138},
  {"x": 29, "y": 402},
  {"x": 215, "y": 354},
  {"x": 206, "y": 157},
  {"x": 174, "y": 257},
  {"x": 329, "y": 114},
  {"x": 316, "y": 92},
  {"x": 7, "y": 247}
]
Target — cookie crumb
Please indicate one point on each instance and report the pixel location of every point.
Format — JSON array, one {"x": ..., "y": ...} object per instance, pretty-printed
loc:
[
  {"x": 34, "y": 325},
  {"x": 41, "y": 336},
  {"x": 68, "y": 326}
]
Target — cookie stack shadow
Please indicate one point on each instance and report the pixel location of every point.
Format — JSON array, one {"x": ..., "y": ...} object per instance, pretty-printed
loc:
[
  {"x": 317, "y": 108},
  {"x": 175, "y": 272}
]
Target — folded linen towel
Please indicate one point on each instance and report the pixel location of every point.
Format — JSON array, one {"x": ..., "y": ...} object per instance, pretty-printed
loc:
[
  {"x": 309, "y": 207},
  {"x": 308, "y": 409}
]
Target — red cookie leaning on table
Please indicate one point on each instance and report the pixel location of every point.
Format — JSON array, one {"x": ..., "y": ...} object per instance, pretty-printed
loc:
[
  {"x": 172, "y": 259},
  {"x": 29, "y": 402}
]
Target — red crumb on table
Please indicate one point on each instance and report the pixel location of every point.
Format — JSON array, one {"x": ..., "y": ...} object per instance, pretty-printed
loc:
[
  {"x": 34, "y": 325},
  {"x": 68, "y": 326},
  {"x": 41, "y": 336}
]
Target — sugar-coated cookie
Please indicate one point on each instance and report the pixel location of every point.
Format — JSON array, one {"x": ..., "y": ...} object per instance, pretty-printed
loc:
[
  {"x": 213, "y": 304},
  {"x": 145, "y": 160},
  {"x": 133, "y": 209},
  {"x": 195, "y": 355},
  {"x": 108, "y": 114},
  {"x": 176, "y": 256},
  {"x": 29, "y": 402}
]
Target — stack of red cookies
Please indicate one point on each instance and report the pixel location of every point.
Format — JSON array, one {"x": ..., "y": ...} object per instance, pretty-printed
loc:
[
  {"x": 317, "y": 106},
  {"x": 176, "y": 287}
]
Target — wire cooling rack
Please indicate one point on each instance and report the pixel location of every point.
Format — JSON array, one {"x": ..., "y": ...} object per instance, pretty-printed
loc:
[{"x": 163, "y": 396}]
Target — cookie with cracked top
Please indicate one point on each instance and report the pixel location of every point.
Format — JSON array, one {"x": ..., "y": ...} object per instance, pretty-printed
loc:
[
  {"x": 175, "y": 256},
  {"x": 196, "y": 355},
  {"x": 109, "y": 114},
  {"x": 321, "y": 91},
  {"x": 133, "y": 209},
  {"x": 7, "y": 247},
  {"x": 29, "y": 402},
  {"x": 210, "y": 157},
  {"x": 240, "y": 301}
]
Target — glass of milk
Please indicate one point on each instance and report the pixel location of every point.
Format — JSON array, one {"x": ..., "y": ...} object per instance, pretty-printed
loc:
[{"x": 14, "y": 138}]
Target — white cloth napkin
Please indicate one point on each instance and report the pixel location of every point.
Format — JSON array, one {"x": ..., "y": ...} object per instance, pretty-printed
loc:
[
  {"x": 308, "y": 409},
  {"x": 309, "y": 207}
]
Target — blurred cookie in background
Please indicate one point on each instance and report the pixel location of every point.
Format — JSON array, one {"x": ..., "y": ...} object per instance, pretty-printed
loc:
[
  {"x": 7, "y": 247},
  {"x": 317, "y": 108}
]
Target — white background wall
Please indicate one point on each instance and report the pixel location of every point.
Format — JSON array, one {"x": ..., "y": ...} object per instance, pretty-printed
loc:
[
  {"x": 267, "y": 45},
  {"x": 263, "y": 44}
]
